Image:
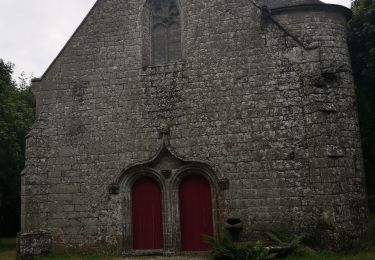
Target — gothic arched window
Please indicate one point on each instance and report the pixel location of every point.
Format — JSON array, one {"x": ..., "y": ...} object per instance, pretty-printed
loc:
[{"x": 166, "y": 32}]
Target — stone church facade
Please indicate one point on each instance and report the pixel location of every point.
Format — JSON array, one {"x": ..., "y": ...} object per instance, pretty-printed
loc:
[{"x": 162, "y": 120}]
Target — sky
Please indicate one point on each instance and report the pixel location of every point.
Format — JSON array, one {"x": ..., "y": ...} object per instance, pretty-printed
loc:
[{"x": 34, "y": 31}]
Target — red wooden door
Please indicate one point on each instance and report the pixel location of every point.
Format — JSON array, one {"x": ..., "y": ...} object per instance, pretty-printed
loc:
[
  {"x": 195, "y": 213},
  {"x": 147, "y": 215}
]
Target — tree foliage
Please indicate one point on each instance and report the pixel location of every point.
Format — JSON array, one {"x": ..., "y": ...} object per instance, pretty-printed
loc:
[
  {"x": 362, "y": 48},
  {"x": 17, "y": 109}
]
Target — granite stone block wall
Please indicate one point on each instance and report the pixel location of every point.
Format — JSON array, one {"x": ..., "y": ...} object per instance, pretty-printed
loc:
[{"x": 264, "y": 96}]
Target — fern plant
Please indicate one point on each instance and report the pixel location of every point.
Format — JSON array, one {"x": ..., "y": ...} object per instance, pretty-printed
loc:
[
  {"x": 224, "y": 248},
  {"x": 285, "y": 238}
]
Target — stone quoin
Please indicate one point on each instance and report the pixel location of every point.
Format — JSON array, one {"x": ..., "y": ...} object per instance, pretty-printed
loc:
[{"x": 187, "y": 114}]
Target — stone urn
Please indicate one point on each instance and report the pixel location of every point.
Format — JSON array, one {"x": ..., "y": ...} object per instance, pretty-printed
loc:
[{"x": 234, "y": 227}]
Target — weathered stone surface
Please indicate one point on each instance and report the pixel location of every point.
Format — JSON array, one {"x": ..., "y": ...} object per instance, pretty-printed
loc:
[
  {"x": 264, "y": 102},
  {"x": 31, "y": 244}
]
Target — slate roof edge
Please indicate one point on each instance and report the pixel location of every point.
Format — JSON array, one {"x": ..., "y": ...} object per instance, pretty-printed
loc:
[
  {"x": 66, "y": 44},
  {"x": 331, "y": 7}
]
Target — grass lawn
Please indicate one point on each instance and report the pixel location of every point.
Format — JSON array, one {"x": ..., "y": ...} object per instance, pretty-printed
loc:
[
  {"x": 303, "y": 255},
  {"x": 7, "y": 248},
  {"x": 79, "y": 258}
]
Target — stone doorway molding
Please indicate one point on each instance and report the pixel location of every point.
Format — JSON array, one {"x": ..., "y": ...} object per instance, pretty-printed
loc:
[{"x": 168, "y": 170}]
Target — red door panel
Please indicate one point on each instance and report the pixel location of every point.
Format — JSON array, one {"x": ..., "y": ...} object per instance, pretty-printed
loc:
[
  {"x": 195, "y": 213},
  {"x": 147, "y": 215}
]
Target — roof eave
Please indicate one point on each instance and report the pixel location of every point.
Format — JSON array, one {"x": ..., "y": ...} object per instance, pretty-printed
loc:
[{"x": 330, "y": 7}]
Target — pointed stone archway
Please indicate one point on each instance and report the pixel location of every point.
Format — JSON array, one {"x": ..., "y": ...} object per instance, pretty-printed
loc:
[{"x": 167, "y": 170}]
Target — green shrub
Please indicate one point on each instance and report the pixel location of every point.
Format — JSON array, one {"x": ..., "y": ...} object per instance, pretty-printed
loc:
[
  {"x": 287, "y": 241},
  {"x": 224, "y": 248},
  {"x": 285, "y": 237},
  {"x": 372, "y": 228}
]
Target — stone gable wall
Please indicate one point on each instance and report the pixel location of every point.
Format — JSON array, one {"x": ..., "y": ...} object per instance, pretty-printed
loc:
[{"x": 270, "y": 103}]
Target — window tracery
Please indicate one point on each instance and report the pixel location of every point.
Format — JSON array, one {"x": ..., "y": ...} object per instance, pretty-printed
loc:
[{"x": 166, "y": 31}]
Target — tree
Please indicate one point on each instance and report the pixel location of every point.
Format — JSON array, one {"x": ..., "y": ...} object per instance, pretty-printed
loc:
[
  {"x": 362, "y": 49},
  {"x": 17, "y": 109}
]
